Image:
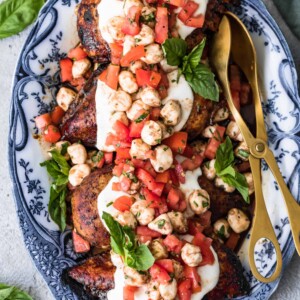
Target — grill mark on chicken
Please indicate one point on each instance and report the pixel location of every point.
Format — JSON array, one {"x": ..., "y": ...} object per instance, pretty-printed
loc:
[
  {"x": 79, "y": 122},
  {"x": 232, "y": 282},
  {"x": 86, "y": 218},
  {"x": 96, "y": 275},
  {"x": 89, "y": 33}
]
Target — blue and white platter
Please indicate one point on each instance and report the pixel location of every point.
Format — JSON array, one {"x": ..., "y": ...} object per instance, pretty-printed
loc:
[{"x": 36, "y": 81}]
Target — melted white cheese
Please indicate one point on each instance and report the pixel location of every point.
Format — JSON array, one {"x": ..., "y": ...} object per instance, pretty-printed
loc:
[
  {"x": 108, "y": 9},
  {"x": 209, "y": 274},
  {"x": 103, "y": 114},
  {"x": 184, "y": 30},
  {"x": 182, "y": 92}
]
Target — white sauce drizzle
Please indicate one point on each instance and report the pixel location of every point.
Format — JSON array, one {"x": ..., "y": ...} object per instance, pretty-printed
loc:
[
  {"x": 103, "y": 114},
  {"x": 182, "y": 92},
  {"x": 184, "y": 30}
]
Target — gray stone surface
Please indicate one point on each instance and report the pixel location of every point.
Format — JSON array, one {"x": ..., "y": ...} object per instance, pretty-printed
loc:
[{"x": 16, "y": 266}]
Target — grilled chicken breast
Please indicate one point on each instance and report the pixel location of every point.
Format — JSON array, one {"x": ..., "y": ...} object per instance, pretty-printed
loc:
[
  {"x": 96, "y": 274},
  {"x": 85, "y": 211},
  {"x": 89, "y": 33}
]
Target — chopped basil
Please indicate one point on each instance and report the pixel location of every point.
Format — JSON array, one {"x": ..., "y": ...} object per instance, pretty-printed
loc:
[
  {"x": 161, "y": 223},
  {"x": 142, "y": 117}
]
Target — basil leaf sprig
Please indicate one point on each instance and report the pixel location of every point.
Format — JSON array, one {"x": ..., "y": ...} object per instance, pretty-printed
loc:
[
  {"x": 124, "y": 243},
  {"x": 58, "y": 168},
  {"x": 198, "y": 75},
  {"x": 225, "y": 170},
  {"x": 16, "y": 15},
  {"x": 8, "y": 292}
]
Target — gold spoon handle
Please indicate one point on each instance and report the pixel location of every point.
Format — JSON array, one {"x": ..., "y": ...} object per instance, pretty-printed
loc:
[
  {"x": 261, "y": 226},
  {"x": 292, "y": 206}
]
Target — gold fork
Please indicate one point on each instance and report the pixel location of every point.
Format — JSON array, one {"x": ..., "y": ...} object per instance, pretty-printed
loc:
[{"x": 233, "y": 38}]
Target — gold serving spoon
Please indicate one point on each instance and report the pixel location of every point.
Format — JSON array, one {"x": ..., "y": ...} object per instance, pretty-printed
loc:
[{"x": 233, "y": 38}]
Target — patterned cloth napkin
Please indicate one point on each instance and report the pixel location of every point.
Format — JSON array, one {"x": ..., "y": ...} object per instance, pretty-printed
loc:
[{"x": 290, "y": 11}]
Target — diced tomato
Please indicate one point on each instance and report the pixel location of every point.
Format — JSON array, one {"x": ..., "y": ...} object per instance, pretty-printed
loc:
[
  {"x": 142, "y": 77},
  {"x": 125, "y": 184},
  {"x": 51, "y": 134},
  {"x": 138, "y": 163},
  {"x": 163, "y": 177},
  {"x": 214, "y": 142},
  {"x": 153, "y": 200},
  {"x": 136, "y": 127},
  {"x": 116, "y": 142},
  {"x": 43, "y": 121},
  {"x": 173, "y": 244},
  {"x": 185, "y": 289},
  {"x": 192, "y": 164},
  {"x": 108, "y": 157},
  {"x": 159, "y": 274},
  {"x": 77, "y": 53},
  {"x": 78, "y": 83},
  {"x": 122, "y": 155},
  {"x": 187, "y": 11},
  {"x": 178, "y": 3},
  {"x": 155, "y": 78},
  {"x": 118, "y": 169},
  {"x": 179, "y": 172},
  {"x": 161, "y": 26},
  {"x": 194, "y": 227},
  {"x": 163, "y": 85},
  {"x": 144, "y": 239},
  {"x": 192, "y": 273},
  {"x": 57, "y": 114},
  {"x": 116, "y": 53},
  {"x": 103, "y": 76},
  {"x": 167, "y": 264},
  {"x": 80, "y": 244},
  {"x": 66, "y": 65},
  {"x": 123, "y": 203},
  {"x": 112, "y": 77},
  {"x": 177, "y": 142},
  {"x": 233, "y": 240},
  {"x": 134, "y": 54},
  {"x": 131, "y": 25},
  {"x": 163, "y": 207},
  {"x": 147, "y": 179},
  {"x": 204, "y": 243},
  {"x": 174, "y": 177},
  {"x": 196, "y": 22},
  {"x": 173, "y": 199},
  {"x": 149, "y": 168},
  {"x": 128, "y": 292},
  {"x": 116, "y": 186},
  {"x": 145, "y": 231},
  {"x": 188, "y": 152},
  {"x": 122, "y": 131}
]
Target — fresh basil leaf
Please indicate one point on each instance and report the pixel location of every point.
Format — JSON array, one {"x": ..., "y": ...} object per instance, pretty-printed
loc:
[
  {"x": 224, "y": 156},
  {"x": 52, "y": 168},
  {"x": 61, "y": 180},
  {"x": 61, "y": 161},
  {"x": 202, "y": 81},
  {"x": 130, "y": 242},
  {"x": 12, "y": 293},
  {"x": 16, "y": 15},
  {"x": 116, "y": 233},
  {"x": 192, "y": 60},
  {"x": 240, "y": 183},
  {"x": 57, "y": 207},
  {"x": 174, "y": 50},
  {"x": 142, "y": 259},
  {"x": 227, "y": 171}
]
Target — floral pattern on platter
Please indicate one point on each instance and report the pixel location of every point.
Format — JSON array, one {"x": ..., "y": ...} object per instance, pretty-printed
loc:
[{"x": 35, "y": 85}]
